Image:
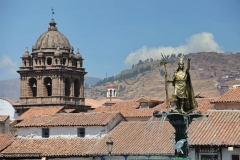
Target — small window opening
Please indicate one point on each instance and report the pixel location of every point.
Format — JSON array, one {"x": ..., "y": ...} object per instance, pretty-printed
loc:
[
  {"x": 81, "y": 64},
  {"x": 45, "y": 132},
  {"x": 49, "y": 61},
  {"x": 144, "y": 105},
  {"x": 64, "y": 61},
  {"x": 235, "y": 157},
  {"x": 81, "y": 132}
]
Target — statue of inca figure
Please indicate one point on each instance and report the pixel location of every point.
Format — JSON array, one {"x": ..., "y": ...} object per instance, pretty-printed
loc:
[{"x": 183, "y": 92}]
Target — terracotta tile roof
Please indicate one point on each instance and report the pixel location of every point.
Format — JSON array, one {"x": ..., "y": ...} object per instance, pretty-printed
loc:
[
  {"x": 232, "y": 95},
  {"x": 131, "y": 109},
  {"x": 122, "y": 107},
  {"x": 6, "y": 140},
  {"x": 3, "y": 118},
  {"x": 40, "y": 110},
  {"x": 93, "y": 103},
  {"x": 68, "y": 119},
  {"x": 204, "y": 104},
  {"x": 49, "y": 147},
  {"x": 139, "y": 138},
  {"x": 127, "y": 109},
  {"x": 222, "y": 128},
  {"x": 151, "y": 99}
]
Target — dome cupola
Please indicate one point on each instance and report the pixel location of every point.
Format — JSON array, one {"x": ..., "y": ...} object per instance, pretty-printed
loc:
[
  {"x": 71, "y": 55},
  {"x": 26, "y": 53},
  {"x": 78, "y": 55}
]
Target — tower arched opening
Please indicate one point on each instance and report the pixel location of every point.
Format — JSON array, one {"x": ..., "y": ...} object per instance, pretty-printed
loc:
[
  {"x": 76, "y": 88},
  {"x": 47, "y": 89},
  {"x": 67, "y": 87},
  {"x": 32, "y": 87}
]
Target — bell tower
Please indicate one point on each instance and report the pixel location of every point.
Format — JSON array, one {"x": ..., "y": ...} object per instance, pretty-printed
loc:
[{"x": 52, "y": 75}]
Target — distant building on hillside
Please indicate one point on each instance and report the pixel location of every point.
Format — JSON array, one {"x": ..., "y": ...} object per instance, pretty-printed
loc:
[{"x": 111, "y": 91}]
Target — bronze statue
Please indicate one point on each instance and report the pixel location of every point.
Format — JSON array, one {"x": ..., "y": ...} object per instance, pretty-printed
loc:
[{"x": 183, "y": 91}]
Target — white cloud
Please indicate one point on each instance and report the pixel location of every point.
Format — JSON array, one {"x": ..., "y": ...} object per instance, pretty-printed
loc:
[
  {"x": 200, "y": 42},
  {"x": 8, "y": 65}
]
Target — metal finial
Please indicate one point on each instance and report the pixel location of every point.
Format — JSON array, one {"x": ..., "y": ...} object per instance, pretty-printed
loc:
[{"x": 52, "y": 12}]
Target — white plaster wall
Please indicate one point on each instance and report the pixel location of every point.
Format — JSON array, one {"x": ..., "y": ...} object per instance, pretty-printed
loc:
[
  {"x": 6, "y": 108},
  {"x": 36, "y": 132},
  {"x": 191, "y": 153},
  {"x": 228, "y": 154},
  {"x": 30, "y": 131}
]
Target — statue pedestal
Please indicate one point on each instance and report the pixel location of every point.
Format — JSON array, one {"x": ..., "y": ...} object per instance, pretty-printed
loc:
[{"x": 180, "y": 122}]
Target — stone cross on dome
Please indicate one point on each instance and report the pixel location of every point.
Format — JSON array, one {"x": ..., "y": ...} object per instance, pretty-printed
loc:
[{"x": 52, "y": 12}]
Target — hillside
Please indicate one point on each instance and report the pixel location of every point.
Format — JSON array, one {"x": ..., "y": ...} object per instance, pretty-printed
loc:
[{"x": 211, "y": 73}]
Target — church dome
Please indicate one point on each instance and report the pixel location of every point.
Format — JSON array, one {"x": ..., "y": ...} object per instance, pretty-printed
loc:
[
  {"x": 52, "y": 38},
  {"x": 110, "y": 85}
]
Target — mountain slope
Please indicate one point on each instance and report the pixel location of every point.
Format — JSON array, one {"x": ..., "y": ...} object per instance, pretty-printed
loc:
[{"x": 208, "y": 70}]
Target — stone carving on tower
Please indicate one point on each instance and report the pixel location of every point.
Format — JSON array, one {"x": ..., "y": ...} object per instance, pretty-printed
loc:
[{"x": 52, "y": 75}]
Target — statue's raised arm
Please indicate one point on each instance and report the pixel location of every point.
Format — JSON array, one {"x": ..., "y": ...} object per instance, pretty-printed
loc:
[{"x": 188, "y": 65}]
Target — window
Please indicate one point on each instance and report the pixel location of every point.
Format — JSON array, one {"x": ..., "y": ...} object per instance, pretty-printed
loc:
[
  {"x": 45, "y": 132},
  {"x": 235, "y": 157},
  {"x": 207, "y": 156},
  {"x": 64, "y": 61},
  {"x": 81, "y": 132},
  {"x": 144, "y": 104},
  {"x": 49, "y": 61}
]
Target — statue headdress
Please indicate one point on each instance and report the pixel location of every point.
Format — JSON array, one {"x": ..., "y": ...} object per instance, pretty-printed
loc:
[{"x": 181, "y": 61}]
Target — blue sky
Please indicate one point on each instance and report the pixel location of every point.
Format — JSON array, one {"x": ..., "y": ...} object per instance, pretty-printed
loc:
[{"x": 112, "y": 35}]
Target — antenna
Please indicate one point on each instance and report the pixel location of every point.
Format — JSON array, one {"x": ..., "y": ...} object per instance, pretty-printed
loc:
[{"x": 52, "y": 12}]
